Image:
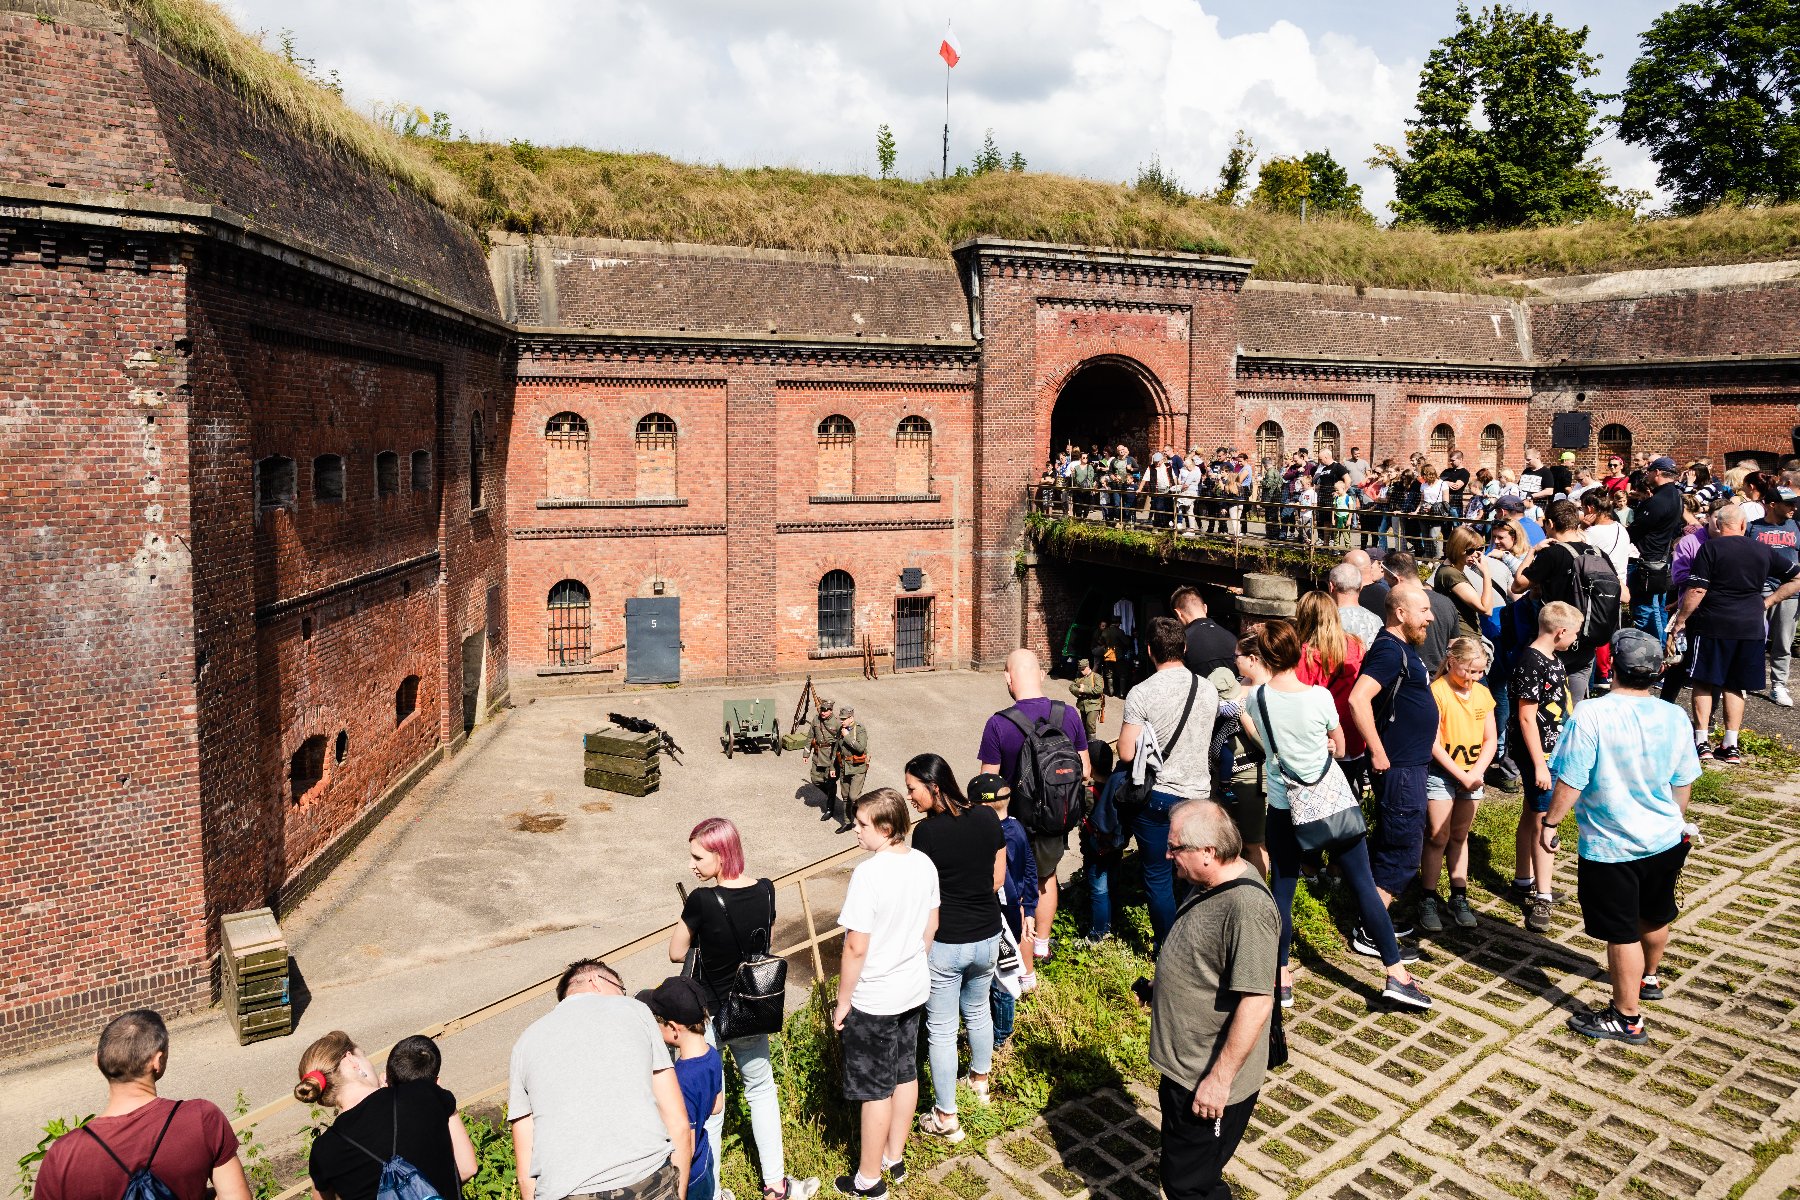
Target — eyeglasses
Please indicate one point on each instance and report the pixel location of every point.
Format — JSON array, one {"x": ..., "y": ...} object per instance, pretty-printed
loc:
[{"x": 1182, "y": 847}]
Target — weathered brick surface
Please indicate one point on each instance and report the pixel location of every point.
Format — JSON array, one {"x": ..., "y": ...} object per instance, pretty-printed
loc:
[
  {"x": 1318, "y": 321},
  {"x": 1704, "y": 324}
]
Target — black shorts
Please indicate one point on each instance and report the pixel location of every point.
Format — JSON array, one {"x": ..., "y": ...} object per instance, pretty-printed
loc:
[
  {"x": 880, "y": 1053},
  {"x": 1619, "y": 900},
  {"x": 1048, "y": 849},
  {"x": 1735, "y": 664}
]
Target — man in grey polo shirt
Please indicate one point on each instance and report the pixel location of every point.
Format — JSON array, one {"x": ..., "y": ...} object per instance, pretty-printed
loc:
[{"x": 595, "y": 1108}]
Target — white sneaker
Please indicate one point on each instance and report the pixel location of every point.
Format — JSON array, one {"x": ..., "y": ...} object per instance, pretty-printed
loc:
[{"x": 1779, "y": 695}]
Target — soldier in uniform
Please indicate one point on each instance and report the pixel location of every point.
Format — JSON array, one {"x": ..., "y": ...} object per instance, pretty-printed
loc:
[
  {"x": 852, "y": 765},
  {"x": 821, "y": 752},
  {"x": 1112, "y": 652},
  {"x": 1089, "y": 691}
]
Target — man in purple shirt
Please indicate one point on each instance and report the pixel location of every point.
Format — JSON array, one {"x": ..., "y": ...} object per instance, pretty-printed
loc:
[{"x": 1002, "y": 742}]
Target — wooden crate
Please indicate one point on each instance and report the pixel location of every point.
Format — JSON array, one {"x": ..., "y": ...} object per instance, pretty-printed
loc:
[
  {"x": 261, "y": 991},
  {"x": 615, "y": 764},
  {"x": 251, "y": 944},
  {"x": 625, "y": 784},
  {"x": 622, "y": 743},
  {"x": 261, "y": 1024}
]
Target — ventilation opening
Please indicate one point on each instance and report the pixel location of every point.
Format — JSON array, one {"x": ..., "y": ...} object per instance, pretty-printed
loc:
[
  {"x": 274, "y": 482},
  {"x": 340, "y": 750},
  {"x": 476, "y": 451},
  {"x": 306, "y": 769},
  {"x": 387, "y": 473},
  {"x": 406, "y": 698},
  {"x": 421, "y": 470},
  {"x": 328, "y": 479}
]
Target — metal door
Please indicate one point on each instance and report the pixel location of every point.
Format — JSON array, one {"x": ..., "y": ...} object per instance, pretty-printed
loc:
[
  {"x": 653, "y": 639},
  {"x": 912, "y": 632}
]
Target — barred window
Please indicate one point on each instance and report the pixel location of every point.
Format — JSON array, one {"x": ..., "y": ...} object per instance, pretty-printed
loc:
[
  {"x": 566, "y": 456},
  {"x": 837, "y": 611},
  {"x": 570, "y": 625},
  {"x": 657, "y": 476},
  {"x": 1325, "y": 437},
  {"x": 1493, "y": 448},
  {"x": 1615, "y": 440},
  {"x": 837, "y": 456},
  {"x": 1443, "y": 441},
  {"x": 912, "y": 457},
  {"x": 1270, "y": 441}
]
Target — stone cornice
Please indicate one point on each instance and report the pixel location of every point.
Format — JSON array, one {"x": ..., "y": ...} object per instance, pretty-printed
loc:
[
  {"x": 544, "y": 533},
  {"x": 1047, "y": 261},
  {"x": 868, "y": 526},
  {"x": 1271, "y": 367},
  {"x": 566, "y": 347},
  {"x": 1095, "y": 304},
  {"x": 869, "y": 385}
]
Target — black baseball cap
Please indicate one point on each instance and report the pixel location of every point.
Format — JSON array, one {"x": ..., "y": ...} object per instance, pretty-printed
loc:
[
  {"x": 989, "y": 788},
  {"x": 676, "y": 999}
]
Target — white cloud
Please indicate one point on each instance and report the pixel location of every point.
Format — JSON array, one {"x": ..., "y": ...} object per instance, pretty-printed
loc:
[{"x": 1087, "y": 87}]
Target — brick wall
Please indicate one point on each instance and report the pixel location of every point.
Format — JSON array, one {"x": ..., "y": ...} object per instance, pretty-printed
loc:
[{"x": 1697, "y": 323}]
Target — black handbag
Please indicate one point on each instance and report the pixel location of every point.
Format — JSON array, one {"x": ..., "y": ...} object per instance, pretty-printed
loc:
[
  {"x": 756, "y": 1002},
  {"x": 1137, "y": 795}
]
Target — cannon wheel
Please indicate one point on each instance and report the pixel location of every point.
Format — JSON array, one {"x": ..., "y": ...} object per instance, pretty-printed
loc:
[
  {"x": 777, "y": 726},
  {"x": 729, "y": 740}
]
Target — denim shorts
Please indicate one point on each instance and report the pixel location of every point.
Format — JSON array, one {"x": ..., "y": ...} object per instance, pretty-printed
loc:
[{"x": 1439, "y": 787}]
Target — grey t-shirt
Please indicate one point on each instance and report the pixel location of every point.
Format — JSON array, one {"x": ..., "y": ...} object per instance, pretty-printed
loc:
[
  {"x": 582, "y": 1073},
  {"x": 1157, "y": 702},
  {"x": 1220, "y": 944}
]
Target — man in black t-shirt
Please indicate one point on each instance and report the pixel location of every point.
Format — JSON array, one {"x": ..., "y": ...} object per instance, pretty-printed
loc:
[
  {"x": 1327, "y": 473},
  {"x": 1456, "y": 476},
  {"x": 1209, "y": 644},
  {"x": 1655, "y": 528},
  {"x": 1549, "y": 573}
]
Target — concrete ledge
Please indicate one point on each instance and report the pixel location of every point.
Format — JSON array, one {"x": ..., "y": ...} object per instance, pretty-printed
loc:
[{"x": 648, "y": 502}]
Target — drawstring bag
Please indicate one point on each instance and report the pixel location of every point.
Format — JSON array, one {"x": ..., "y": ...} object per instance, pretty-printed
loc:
[{"x": 142, "y": 1184}]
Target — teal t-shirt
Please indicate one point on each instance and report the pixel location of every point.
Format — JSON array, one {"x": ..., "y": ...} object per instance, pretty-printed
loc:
[
  {"x": 1626, "y": 755},
  {"x": 1301, "y": 720}
]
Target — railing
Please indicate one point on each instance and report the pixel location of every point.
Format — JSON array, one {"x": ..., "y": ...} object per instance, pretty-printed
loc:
[
  {"x": 1247, "y": 528},
  {"x": 797, "y": 880}
]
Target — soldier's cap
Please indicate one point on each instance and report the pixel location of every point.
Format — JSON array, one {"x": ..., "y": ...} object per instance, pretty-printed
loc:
[
  {"x": 824, "y": 704},
  {"x": 1083, "y": 665},
  {"x": 844, "y": 710},
  {"x": 989, "y": 788}
]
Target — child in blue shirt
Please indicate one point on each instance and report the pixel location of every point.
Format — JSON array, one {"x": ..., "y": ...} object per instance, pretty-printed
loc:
[
  {"x": 1017, "y": 901},
  {"x": 680, "y": 1011}
]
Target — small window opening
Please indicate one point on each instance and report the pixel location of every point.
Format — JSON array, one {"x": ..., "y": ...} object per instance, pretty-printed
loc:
[
  {"x": 328, "y": 479},
  {"x": 274, "y": 482},
  {"x": 406, "y": 698},
  {"x": 421, "y": 470},
  {"x": 341, "y": 750},
  {"x": 387, "y": 473},
  {"x": 307, "y": 767}
]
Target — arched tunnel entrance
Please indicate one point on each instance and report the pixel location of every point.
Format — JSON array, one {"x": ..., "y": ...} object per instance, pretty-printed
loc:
[{"x": 1107, "y": 402}]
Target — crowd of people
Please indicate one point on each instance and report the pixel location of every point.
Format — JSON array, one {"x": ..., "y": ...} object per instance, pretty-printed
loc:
[{"x": 1348, "y": 746}]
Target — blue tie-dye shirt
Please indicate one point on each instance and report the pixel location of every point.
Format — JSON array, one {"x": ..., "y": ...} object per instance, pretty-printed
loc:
[{"x": 1626, "y": 755}]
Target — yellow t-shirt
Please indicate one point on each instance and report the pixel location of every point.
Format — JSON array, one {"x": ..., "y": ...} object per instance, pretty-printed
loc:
[{"x": 1462, "y": 720}]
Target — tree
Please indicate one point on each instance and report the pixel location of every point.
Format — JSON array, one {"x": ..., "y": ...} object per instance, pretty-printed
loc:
[
  {"x": 1282, "y": 184},
  {"x": 884, "y": 149},
  {"x": 1504, "y": 128},
  {"x": 1715, "y": 97},
  {"x": 1015, "y": 162},
  {"x": 1157, "y": 180},
  {"x": 1330, "y": 189},
  {"x": 989, "y": 157},
  {"x": 1236, "y": 171}
]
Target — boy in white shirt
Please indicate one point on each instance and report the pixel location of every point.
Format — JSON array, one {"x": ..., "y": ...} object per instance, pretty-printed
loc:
[{"x": 890, "y": 916}]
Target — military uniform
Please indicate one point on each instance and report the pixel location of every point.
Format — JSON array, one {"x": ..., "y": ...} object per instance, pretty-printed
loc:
[
  {"x": 852, "y": 758},
  {"x": 1089, "y": 690},
  {"x": 822, "y": 749}
]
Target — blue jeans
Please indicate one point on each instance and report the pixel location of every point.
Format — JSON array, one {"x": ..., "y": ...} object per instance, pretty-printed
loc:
[
  {"x": 1352, "y": 863},
  {"x": 752, "y": 1057},
  {"x": 1097, "y": 869},
  {"x": 1004, "y": 1006},
  {"x": 1498, "y": 685},
  {"x": 707, "y": 1186},
  {"x": 1150, "y": 825},
  {"x": 962, "y": 974},
  {"x": 1646, "y": 609}
]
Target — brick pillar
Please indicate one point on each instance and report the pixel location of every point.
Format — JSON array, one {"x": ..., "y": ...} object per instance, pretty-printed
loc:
[{"x": 750, "y": 492}]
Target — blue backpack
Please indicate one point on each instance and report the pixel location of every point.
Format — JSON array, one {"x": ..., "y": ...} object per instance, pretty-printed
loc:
[
  {"x": 142, "y": 1184},
  {"x": 400, "y": 1180}
]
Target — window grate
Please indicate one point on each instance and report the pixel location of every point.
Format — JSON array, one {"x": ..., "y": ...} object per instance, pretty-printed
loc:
[
  {"x": 570, "y": 635},
  {"x": 837, "y": 611}
]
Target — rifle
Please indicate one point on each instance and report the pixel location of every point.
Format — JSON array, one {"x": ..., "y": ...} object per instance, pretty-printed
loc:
[
  {"x": 800, "y": 709},
  {"x": 645, "y": 725}
]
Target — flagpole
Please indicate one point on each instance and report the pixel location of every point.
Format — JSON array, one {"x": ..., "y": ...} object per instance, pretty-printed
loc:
[{"x": 945, "y": 171}]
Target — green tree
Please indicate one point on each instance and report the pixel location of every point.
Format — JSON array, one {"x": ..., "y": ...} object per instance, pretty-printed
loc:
[
  {"x": 1015, "y": 162},
  {"x": 1282, "y": 184},
  {"x": 1157, "y": 180},
  {"x": 884, "y": 149},
  {"x": 1235, "y": 173},
  {"x": 1330, "y": 190},
  {"x": 1504, "y": 128},
  {"x": 989, "y": 158},
  {"x": 1715, "y": 97}
]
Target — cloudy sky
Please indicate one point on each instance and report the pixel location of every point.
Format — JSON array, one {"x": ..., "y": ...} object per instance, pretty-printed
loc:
[{"x": 1086, "y": 87}]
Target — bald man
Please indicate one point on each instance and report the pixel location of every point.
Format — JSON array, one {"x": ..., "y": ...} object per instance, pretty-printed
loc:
[{"x": 1002, "y": 743}]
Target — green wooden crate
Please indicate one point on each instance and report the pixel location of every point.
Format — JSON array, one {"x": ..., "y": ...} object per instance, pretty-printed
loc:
[
  {"x": 251, "y": 944},
  {"x": 261, "y": 1024},
  {"x": 615, "y": 764},
  {"x": 622, "y": 743},
  {"x": 607, "y": 781},
  {"x": 260, "y": 991}
]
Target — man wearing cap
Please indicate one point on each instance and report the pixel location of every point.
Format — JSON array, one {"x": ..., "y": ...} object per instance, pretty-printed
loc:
[
  {"x": 1655, "y": 527},
  {"x": 851, "y": 760},
  {"x": 1625, "y": 765},
  {"x": 595, "y": 1107},
  {"x": 1512, "y": 508},
  {"x": 1725, "y": 611},
  {"x": 1778, "y": 530},
  {"x": 821, "y": 754},
  {"x": 1089, "y": 691},
  {"x": 1561, "y": 475}
]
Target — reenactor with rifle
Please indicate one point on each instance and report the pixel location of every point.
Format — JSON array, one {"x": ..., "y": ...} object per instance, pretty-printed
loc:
[
  {"x": 852, "y": 765},
  {"x": 1089, "y": 691}
]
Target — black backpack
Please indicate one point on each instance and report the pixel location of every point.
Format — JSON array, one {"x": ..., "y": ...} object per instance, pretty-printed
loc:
[
  {"x": 1597, "y": 595},
  {"x": 1050, "y": 797},
  {"x": 142, "y": 1184}
]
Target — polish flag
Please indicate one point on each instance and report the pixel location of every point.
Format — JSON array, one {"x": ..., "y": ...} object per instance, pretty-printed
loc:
[{"x": 948, "y": 50}]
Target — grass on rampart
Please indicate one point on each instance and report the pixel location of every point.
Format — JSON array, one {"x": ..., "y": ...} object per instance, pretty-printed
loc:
[{"x": 596, "y": 193}]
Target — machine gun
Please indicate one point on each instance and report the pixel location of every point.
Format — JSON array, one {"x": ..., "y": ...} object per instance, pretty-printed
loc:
[{"x": 646, "y": 725}]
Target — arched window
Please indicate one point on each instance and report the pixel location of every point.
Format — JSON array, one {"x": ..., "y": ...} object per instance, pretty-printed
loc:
[
  {"x": 387, "y": 473},
  {"x": 328, "y": 479},
  {"x": 566, "y": 456},
  {"x": 1493, "y": 448},
  {"x": 406, "y": 698},
  {"x": 837, "y": 611},
  {"x": 306, "y": 768},
  {"x": 1443, "y": 441},
  {"x": 912, "y": 457},
  {"x": 656, "y": 464},
  {"x": 837, "y": 456},
  {"x": 1325, "y": 437},
  {"x": 1615, "y": 441},
  {"x": 274, "y": 482},
  {"x": 1270, "y": 442},
  {"x": 421, "y": 470},
  {"x": 476, "y": 451},
  {"x": 570, "y": 637}
]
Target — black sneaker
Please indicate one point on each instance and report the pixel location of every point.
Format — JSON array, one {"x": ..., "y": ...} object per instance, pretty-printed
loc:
[
  {"x": 1407, "y": 993},
  {"x": 1521, "y": 894},
  {"x": 896, "y": 1171},
  {"x": 1728, "y": 754},
  {"x": 1363, "y": 944},
  {"x": 1704, "y": 750},
  {"x": 1650, "y": 988},
  {"x": 1609, "y": 1024},
  {"x": 846, "y": 1186},
  {"x": 1285, "y": 995}
]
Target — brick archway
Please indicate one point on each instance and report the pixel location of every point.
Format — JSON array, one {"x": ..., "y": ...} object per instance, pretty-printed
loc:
[{"x": 1110, "y": 400}]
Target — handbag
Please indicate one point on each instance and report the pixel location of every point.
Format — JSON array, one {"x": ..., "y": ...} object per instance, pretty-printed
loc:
[
  {"x": 1325, "y": 812},
  {"x": 756, "y": 1002},
  {"x": 1137, "y": 795}
]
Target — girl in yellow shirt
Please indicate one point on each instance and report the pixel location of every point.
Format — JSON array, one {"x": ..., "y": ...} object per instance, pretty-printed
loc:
[{"x": 1467, "y": 738}]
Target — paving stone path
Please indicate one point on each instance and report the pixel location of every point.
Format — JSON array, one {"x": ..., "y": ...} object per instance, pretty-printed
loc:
[{"x": 1488, "y": 1094}]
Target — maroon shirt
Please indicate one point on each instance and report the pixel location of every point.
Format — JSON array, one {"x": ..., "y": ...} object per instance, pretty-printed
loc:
[{"x": 199, "y": 1139}]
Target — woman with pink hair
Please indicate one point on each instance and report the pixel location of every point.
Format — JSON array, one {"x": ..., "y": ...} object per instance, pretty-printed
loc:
[{"x": 726, "y": 922}]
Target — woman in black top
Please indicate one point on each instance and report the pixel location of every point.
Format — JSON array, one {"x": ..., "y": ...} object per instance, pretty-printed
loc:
[
  {"x": 966, "y": 845},
  {"x": 727, "y": 922},
  {"x": 417, "y": 1121}
]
